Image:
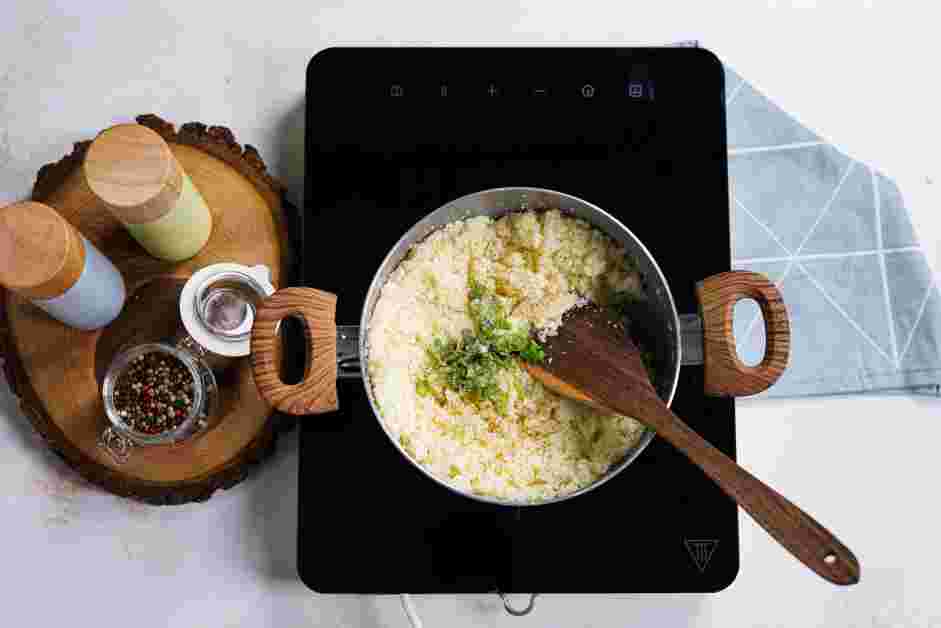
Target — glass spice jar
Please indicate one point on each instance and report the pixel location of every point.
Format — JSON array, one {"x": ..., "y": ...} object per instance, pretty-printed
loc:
[
  {"x": 192, "y": 399},
  {"x": 216, "y": 312}
]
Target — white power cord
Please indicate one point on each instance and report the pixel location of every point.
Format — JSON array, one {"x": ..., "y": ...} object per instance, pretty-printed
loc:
[{"x": 410, "y": 611}]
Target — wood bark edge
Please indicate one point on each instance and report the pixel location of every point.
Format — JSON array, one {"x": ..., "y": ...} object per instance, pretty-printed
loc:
[{"x": 219, "y": 142}]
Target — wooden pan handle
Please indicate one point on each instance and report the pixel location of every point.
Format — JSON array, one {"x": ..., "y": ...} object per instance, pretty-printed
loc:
[
  {"x": 725, "y": 374},
  {"x": 317, "y": 391}
]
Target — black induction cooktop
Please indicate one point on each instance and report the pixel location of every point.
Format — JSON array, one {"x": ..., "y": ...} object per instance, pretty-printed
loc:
[{"x": 394, "y": 133}]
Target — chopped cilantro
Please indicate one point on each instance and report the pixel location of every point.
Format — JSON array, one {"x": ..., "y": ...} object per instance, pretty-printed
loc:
[
  {"x": 501, "y": 401},
  {"x": 630, "y": 264},
  {"x": 406, "y": 443},
  {"x": 469, "y": 365},
  {"x": 423, "y": 388},
  {"x": 476, "y": 290},
  {"x": 620, "y": 302},
  {"x": 648, "y": 358},
  {"x": 533, "y": 352}
]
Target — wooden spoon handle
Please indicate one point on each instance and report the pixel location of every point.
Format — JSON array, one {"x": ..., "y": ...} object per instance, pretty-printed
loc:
[
  {"x": 790, "y": 526},
  {"x": 317, "y": 392}
]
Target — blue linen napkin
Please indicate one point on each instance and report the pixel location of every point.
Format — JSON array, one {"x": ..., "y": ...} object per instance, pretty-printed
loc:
[{"x": 836, "y": 238}]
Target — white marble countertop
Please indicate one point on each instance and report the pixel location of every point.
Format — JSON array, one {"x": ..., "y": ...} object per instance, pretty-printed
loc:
[{"x": 862, "y": 74}]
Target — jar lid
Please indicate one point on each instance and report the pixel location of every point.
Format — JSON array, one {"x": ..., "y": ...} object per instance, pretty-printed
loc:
[
  {"x": 218, "y": 306},
  {"x": 41, "y": 254},
  {"x": 132, "y": 170}
]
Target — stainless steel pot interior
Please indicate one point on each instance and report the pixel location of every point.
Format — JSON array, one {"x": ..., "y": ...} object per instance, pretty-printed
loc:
[{"x": 661, "y": 320}]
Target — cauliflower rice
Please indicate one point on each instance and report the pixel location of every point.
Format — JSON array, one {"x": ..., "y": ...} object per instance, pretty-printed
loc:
[{"x": 534, "y": 445}]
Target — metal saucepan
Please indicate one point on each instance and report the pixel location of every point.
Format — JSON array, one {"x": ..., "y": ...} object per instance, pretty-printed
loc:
[{"x": 342, "y": 351}]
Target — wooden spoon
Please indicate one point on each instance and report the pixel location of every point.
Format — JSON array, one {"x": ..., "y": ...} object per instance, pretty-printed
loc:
[{"x": 592, "y": 359}]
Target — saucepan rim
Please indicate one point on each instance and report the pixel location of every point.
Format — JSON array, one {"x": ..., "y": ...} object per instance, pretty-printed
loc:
[{"x": 417, "y": 233}]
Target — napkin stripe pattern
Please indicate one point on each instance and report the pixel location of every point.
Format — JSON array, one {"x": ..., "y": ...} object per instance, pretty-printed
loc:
[{"x": 836, "y": 238}]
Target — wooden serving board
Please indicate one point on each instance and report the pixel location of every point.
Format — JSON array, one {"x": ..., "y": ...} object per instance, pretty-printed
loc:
[{"x": 56, "y": 370}]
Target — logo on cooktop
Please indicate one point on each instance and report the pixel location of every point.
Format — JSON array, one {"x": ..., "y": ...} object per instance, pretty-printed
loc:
[{"x": 701, "y": 551}]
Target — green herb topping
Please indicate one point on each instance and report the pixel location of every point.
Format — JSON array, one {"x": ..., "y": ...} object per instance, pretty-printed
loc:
[
  {"x": 620, "y": 302},
  {"x": 469, "y": 365}
]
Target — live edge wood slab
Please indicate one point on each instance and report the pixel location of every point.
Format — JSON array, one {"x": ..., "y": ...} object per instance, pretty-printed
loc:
[{"x": 56, "y": 371}]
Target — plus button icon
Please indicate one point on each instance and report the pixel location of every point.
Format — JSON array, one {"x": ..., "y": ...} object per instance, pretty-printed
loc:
[{"x": 492, "y": 90}]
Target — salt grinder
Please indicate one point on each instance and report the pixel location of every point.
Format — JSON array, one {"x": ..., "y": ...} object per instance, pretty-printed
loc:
[
  {"x": 46, "y": 260},
  {"x": 135, "y": 175}
]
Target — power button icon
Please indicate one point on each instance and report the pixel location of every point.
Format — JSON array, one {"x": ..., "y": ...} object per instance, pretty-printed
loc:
[{"x": 588, "y": 90}]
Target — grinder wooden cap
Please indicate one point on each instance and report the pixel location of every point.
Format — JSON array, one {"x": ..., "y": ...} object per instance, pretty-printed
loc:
[
  {"x": 41, "y": 254},
  {"x": 134, "y": 173}
]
